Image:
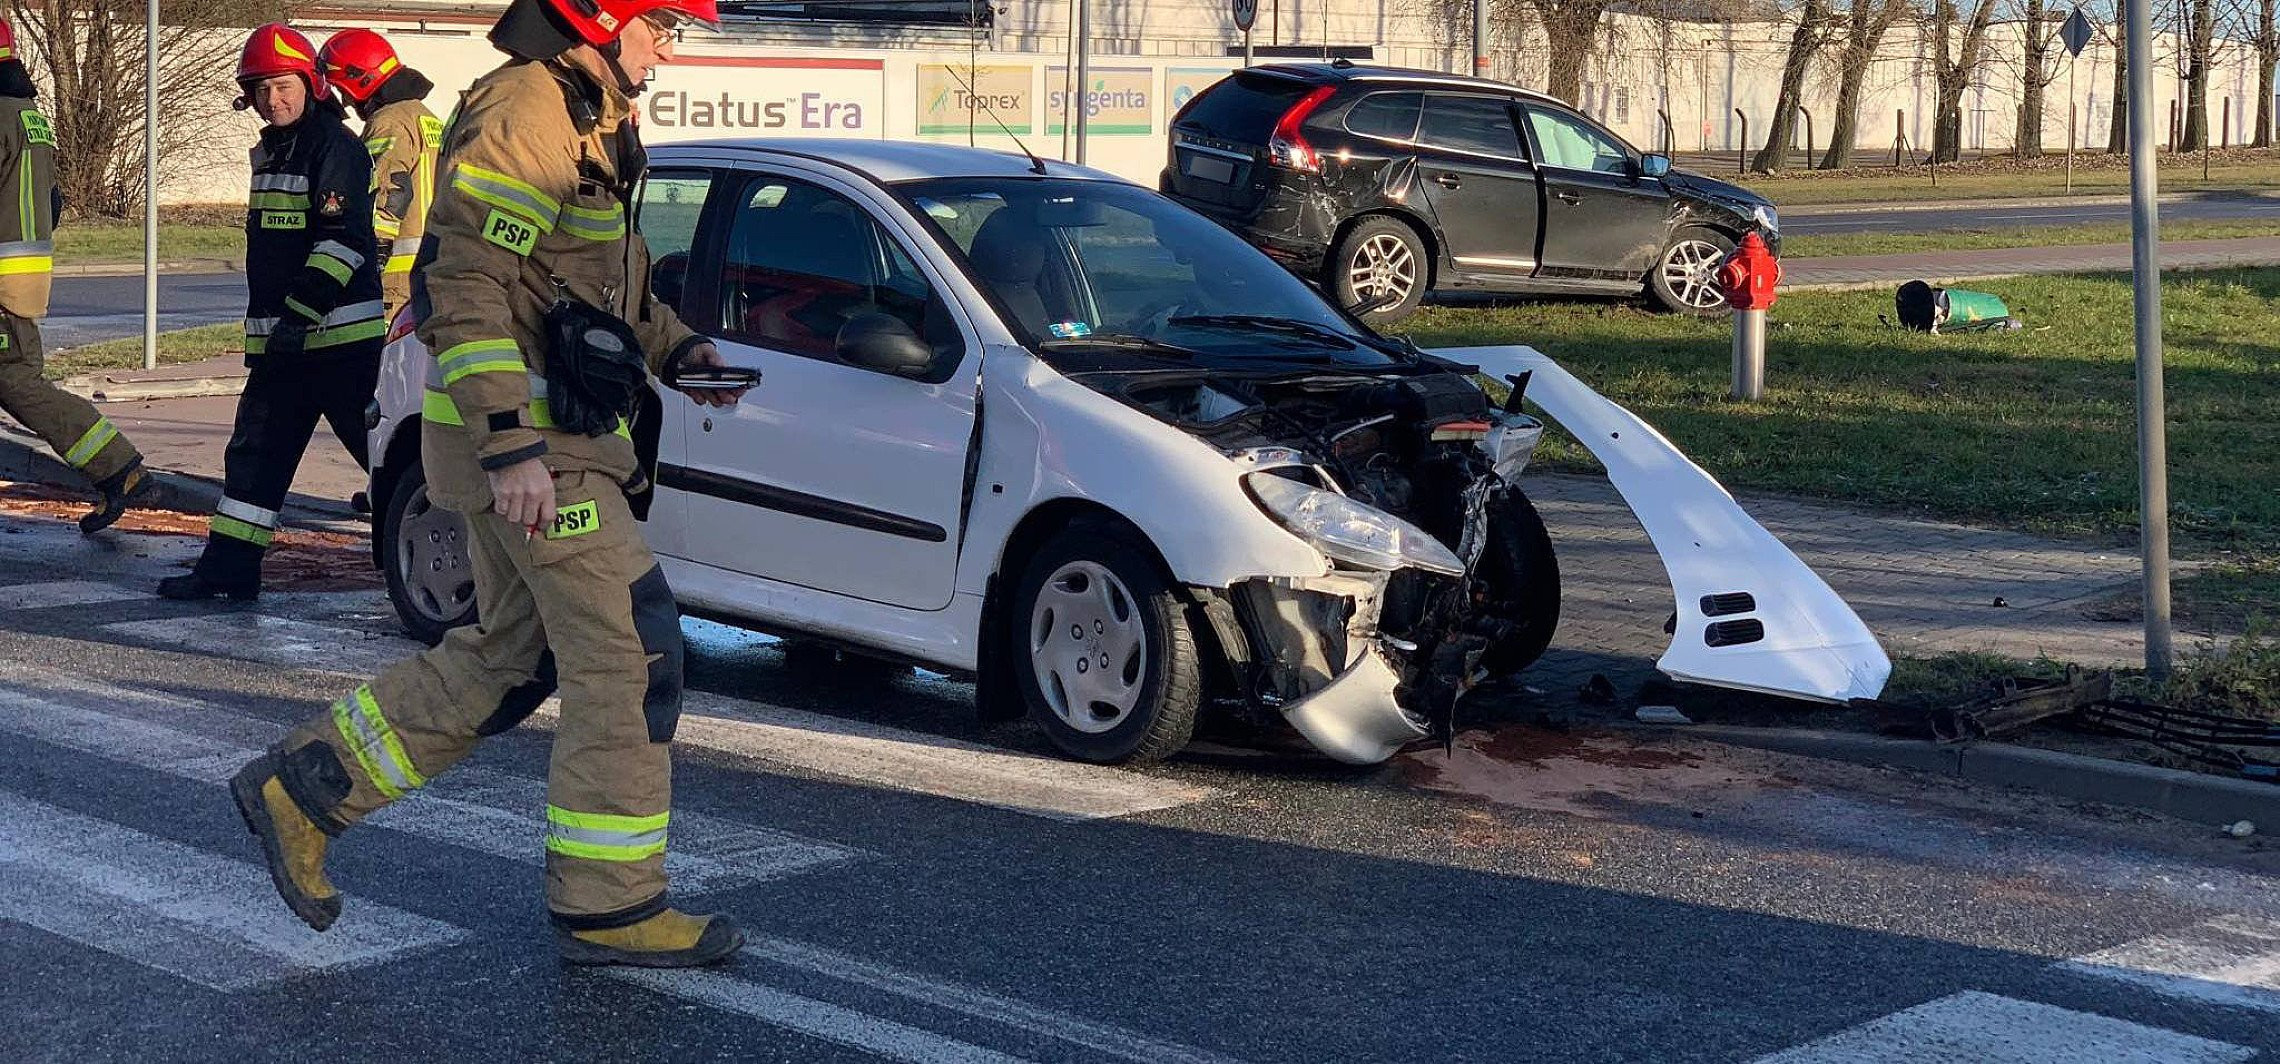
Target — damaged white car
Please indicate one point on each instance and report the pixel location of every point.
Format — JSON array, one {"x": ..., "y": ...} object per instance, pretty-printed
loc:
[{"x": 1030, "y": 423}]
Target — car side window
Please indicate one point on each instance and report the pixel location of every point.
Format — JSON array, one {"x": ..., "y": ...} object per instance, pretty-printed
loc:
[
  {"x": 1568, "y": 141},
  {"x": 667, "y": 210},
  {"x": 1390, "y": 115},
  {"x": 1481, "y": 125},
  {"x": 802, "y": 261}
]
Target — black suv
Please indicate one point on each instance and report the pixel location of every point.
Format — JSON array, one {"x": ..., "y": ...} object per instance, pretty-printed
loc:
[{"x": 1379, "y": 184}]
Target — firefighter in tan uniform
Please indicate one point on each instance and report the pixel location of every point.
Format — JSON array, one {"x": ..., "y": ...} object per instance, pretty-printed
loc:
[
  {"x": 403, "y": 136},
  {"x": 86, "y": 439},
  {"x": 530, "y": 223}
]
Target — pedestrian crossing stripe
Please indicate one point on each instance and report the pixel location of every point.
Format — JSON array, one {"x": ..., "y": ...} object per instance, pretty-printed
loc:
[{"x": 1982, "y": 1028}]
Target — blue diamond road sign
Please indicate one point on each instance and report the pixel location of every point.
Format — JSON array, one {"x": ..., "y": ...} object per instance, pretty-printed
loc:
[{"x": 2076, "y": 33}]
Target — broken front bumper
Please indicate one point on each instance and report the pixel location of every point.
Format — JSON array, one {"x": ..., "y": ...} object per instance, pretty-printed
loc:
[{"x": 1310, "y": 649}]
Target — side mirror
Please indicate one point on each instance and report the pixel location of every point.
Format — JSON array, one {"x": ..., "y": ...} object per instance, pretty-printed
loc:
[
  {"x": 1654, "y": 164},
  {"x": 884, "y": 343}
]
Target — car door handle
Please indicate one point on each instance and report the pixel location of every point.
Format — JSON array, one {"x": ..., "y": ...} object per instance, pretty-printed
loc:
[
  {"x": 1448, "y": 180},
  {"x": 1569, "y": 198}
]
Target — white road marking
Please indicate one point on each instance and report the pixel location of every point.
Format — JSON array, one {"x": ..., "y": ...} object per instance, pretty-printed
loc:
[
  {"x": 64, "y": 593},
  {"x": 2230, "y": 960},
  {"x": 914, "y": 761},
  {"x": 274, "y": 641},
  {"x": 1103, "y": 1038},
  {"x": 177, "y": 909},
  {"x": 471, "y": 808},
  {"x": 1978, "y": 1028},
  {"x": 816, "y": 1019},
  {"x": 831, "y": 746}
]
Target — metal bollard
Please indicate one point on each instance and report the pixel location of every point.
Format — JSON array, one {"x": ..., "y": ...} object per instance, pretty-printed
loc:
[{"x": 1749, "y": 355}]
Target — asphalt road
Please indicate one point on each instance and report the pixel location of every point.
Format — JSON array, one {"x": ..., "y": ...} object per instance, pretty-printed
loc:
[
  {"x": 87, "y": 310},
  {"x": 920, "y": 888},
  {"x": 1807, "y": 220}
]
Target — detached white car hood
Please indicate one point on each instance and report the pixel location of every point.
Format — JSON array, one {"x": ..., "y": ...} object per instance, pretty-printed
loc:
[{"x": 1813, "y": 647}]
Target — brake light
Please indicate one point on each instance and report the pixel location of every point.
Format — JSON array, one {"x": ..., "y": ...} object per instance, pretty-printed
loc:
[
  {"x": 1288, "y": 147},
  {"x": 403, "y": 324}
]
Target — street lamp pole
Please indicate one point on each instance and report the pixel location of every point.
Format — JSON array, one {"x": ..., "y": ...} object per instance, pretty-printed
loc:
[{"x": 2145, "y": 249}]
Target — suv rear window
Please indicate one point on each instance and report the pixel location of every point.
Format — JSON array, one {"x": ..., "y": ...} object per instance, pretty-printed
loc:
[
  {"x": 1391, "y": 115},
  {"x": 1242, "y": 108}
]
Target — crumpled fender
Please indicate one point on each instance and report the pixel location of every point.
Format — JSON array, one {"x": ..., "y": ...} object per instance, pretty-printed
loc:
[{"x": 1814, "y": 646}]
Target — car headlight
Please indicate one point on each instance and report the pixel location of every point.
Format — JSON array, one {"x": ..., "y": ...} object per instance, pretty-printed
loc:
[
  {"x": 1764, "y": 215},
  {"x": 1350, "y": 531}
]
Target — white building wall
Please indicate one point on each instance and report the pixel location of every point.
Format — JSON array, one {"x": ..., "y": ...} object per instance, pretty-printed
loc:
[{"x": 1710, "y": 79}]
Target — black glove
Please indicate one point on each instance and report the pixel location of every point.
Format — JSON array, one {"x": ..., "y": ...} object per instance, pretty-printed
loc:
[{"x": 290, "y": 336}]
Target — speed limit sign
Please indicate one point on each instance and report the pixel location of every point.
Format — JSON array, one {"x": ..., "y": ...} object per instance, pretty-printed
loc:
[{"x": 1246, "y": 13}]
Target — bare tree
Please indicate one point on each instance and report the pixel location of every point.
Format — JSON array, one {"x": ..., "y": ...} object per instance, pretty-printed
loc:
[
  {"x": 1955, "y": 60},
  {"x": 2038, "y": 67},
  {"x": 1571, "y": 31},
  {"x": 2265, "y": 42},
  {"x": 89, "y": 54},
  {"x": 2118, "y": 125},
  {"x": 2196, "y": 56},
  {"x": 1865, "y": 25},
  {"x": 1806, "y": 40}
]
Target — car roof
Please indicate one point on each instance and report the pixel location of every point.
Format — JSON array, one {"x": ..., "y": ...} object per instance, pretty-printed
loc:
[
  {"x": 886, "y": 161},
  {"x": 1366, "y": 73}
]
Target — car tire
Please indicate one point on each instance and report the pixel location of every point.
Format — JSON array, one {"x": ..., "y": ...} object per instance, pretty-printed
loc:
[
  {"x": 1684, "y": 279},
  {"x": 1094, "y": 593},
  {"x": 1378, "y": 256},
  {"x": 1523, "y": 576},
  {"x": 424, "y": 557}
]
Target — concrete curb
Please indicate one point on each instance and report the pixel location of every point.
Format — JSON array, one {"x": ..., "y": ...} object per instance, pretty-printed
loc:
[
  {"x": 135, "y": 269},
  {"x": 2192, "y": 796},
  {"x": 1812, "y": 210},
  {"x": 27, "y": 458},
  {"x": 102, "y": 390},
  {"x": 1952, "y": 278}
]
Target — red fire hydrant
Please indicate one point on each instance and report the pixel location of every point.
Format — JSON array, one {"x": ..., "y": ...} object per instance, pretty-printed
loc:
[{"x": 1748, "y": 278}]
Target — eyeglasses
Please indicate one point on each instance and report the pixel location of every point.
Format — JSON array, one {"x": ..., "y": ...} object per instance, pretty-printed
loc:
[{"x": 668, "y": 26}]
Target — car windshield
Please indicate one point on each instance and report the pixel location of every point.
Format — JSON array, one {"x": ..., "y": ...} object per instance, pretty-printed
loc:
[{"x": 1076, "y": 263}]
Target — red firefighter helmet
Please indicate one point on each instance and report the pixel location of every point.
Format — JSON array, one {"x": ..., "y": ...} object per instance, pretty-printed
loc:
[
  {"x": 280, "y": 49},
  {"x": 7, "y": 39},
  {"x": 358, "y": 62},
  {"x": 598, "y": 22}
]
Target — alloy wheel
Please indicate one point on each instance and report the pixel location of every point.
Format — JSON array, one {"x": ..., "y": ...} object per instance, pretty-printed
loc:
[
  {"x": 1382, "y": 267},
  {"x": 1088, "y": 647},
  {"x": 1690, "y": 271}
]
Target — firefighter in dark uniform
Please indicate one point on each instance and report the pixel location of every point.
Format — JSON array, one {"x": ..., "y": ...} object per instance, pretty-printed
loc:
[{"x": 313, "y": 324}]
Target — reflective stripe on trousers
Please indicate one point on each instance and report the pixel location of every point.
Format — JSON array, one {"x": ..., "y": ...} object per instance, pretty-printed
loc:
[
  {"x": 368, "y": 735},
  {"x": 604, "y": 836}
]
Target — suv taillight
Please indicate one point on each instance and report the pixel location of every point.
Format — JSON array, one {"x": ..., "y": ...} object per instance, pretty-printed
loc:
[{"x": 1288, "y": 147}]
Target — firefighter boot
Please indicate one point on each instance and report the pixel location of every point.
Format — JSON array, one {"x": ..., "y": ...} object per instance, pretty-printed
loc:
[
  {"x": 292, "y": 843},
  {"x": 670, "y": 939},
  {"x": 126, "y": 488}
]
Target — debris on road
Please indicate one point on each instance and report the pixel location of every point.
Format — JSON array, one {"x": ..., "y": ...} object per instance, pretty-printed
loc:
[
  {"x": 298, "y": 559},
  {"x": 2241, "y": 829},
  {"x": 1662, "y": 715}
]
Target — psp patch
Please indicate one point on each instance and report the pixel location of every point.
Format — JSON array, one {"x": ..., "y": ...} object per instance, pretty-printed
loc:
[
  {"x": 331, "y": 206},
  {"x": 571, "y": 521},
  {"x": 511, "y": 233}
]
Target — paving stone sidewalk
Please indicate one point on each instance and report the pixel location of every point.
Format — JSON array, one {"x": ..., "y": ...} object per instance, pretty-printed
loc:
[
  {"x": 1836, "y": 271},
  {"x": 1924, "y": 587}
]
